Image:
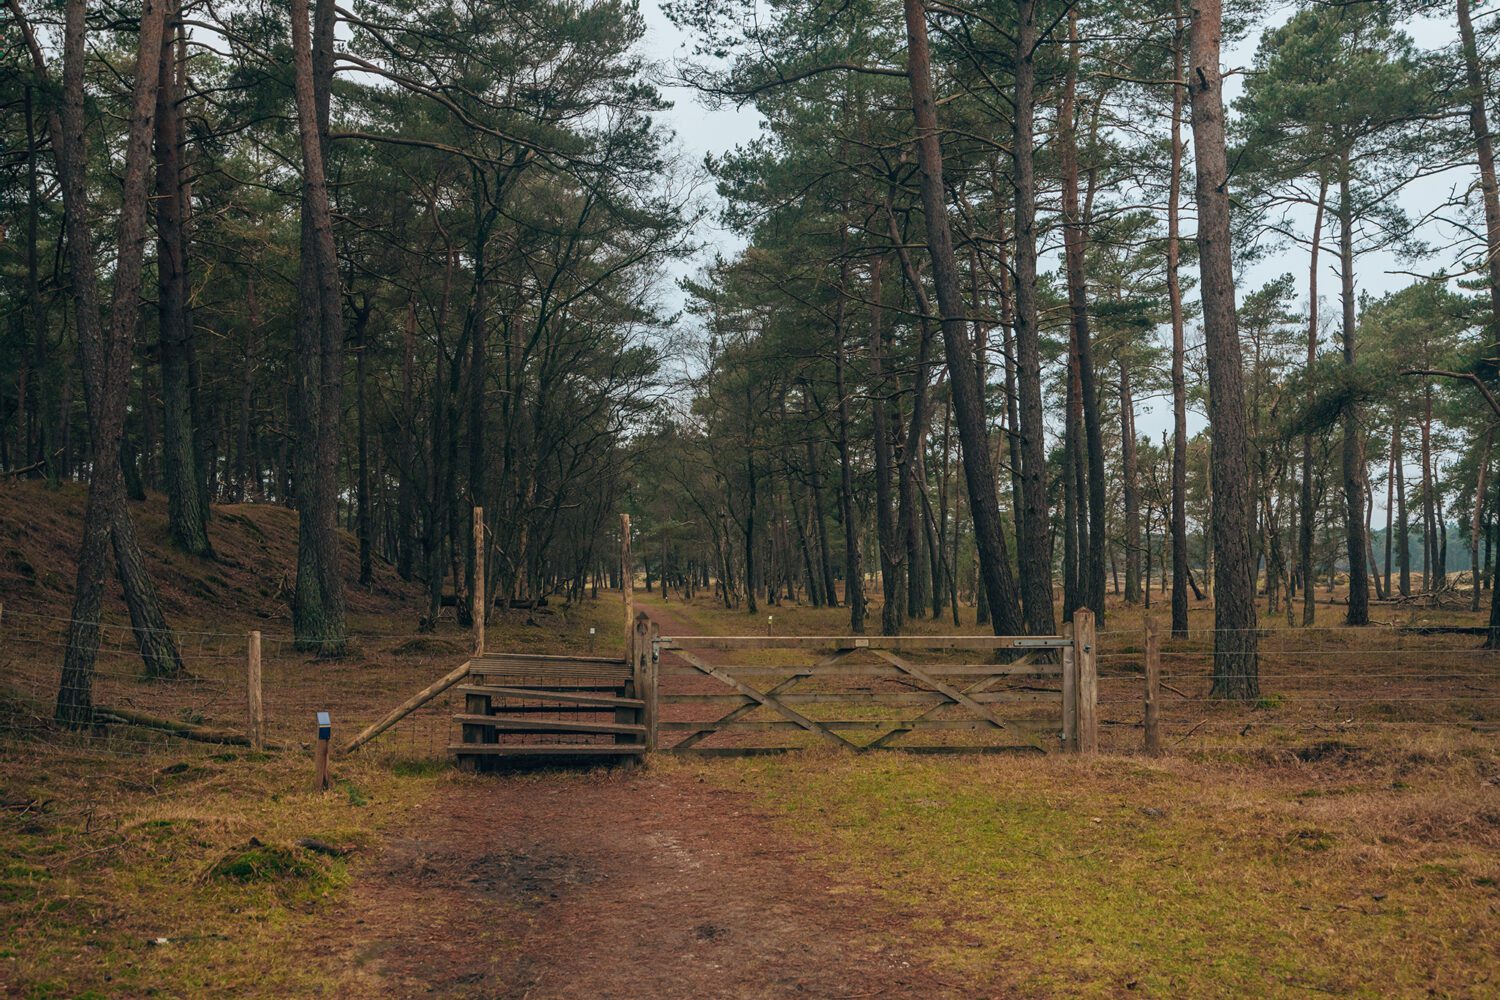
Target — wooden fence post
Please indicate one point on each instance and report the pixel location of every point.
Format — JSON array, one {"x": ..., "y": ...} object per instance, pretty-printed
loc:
[
  {"x": 1069, "y": 692},
  {"x": 646, "y": 635},
  {"x": 627, "y": 585},
  {"x": 1153, "y": 687},
  {"x": 253, "y": 693},
  {"x": 1085, "y": 650},
  {"x": 477, "y": 599}
]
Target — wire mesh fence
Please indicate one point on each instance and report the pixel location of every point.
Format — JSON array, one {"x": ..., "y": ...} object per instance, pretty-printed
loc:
[
  {"x": 208, "y": 704},
  {"x": 1337, "y": 684}
]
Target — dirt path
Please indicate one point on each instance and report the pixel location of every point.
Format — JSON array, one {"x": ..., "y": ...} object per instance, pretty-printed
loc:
[{"x": 612, "y": 884}]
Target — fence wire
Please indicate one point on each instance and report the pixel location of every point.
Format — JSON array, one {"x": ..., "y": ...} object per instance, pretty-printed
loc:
[{"x": 1311, "y": 680}]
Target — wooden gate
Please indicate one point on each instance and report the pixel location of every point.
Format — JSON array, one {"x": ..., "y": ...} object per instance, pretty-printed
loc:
[{"x": 740, "y": 695}]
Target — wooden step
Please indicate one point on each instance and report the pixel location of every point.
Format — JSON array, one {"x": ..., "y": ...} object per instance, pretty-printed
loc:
[
  {"x": 514, "y": 665},
  {"x": 546, "y": 749},
  {"x": 570, "y": 697},
  {"x": 516, "y": 725}
]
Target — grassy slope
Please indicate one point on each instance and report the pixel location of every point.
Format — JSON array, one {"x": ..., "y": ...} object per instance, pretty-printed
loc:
[{"x": 102, "y": 853}]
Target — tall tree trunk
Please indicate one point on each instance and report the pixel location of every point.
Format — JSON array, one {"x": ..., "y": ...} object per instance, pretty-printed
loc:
[
  {"x": 1390, "y": 507},
  {"x": 318, "y": 617},
  {"x": 1074, "y": 501},
  {"x": 1403, "y": 523},
  {"x": 1075, "y": 238},
  {"x": 105, "y": 354},
  {"x": 892, "y": 549},
  {"x": 187, "y": 507},
  {"x": 820, "y": 518},
  {"x": 1034, "y": 558},
  {"x": 1236, "y": 642},
  {"x": 854, "y": 595},
  {"x": 1476, "y": 523},
  {"x": 1484, "y": 145},
  {"x": 912, "y": 483},
  {"x": 1430, "y": 567},
  {"x": 37, "y": 448},
  {"x": 1353, "y": 452},
  {"x": 1130, "y": 476},
  {"x": 406, "y": 490},
  {"x": 968, "y": 395},
  {"x": 1307, "y": 516},
  {"x": 248, "y": 465},
  {"x": 364, "y": 526},
  {"x": 1178, "y": 515}
]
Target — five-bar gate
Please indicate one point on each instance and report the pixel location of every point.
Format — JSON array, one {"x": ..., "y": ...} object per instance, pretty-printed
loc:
[{"x": 740, "y": 695}]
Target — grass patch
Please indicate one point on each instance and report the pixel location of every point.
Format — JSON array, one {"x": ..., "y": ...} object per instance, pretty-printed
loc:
[
  {"x": 1073, "y": 878},
  {"x": 200, "y": 881}
]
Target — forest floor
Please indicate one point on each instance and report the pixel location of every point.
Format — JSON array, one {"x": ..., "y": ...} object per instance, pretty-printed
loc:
[{"x": 1289, "y": 856}]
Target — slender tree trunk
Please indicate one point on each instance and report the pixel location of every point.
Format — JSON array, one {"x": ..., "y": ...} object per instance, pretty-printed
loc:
[
  {"x": 1034, "y": 557},
  {"x": 37, "y": 447},
  {"x": 820, "y": 518},
  {"x": 854, "y": 594},
  {"x": 1353, "y": 445},
  {"x": 105, "y": 354},
  {"x": 1307, "y": 516},
  {"x": 1075, "y": 238},
  {"x": 963, "y": 380},
  {"x": 912, "y": 472},
  {"x": 318, "y": 621},
  {"x": 1430, "y": 567},
  {"x": 364, "y": 525},
  {"x": 1476, "y": 523},
  {"x": 406, "y": 490},
  {"x": 1178, "y": 515},
  {"x": 1403, "y": 523},
  {"x": 1390, "y": 505},
  {"x": 186, "y": 504},
  {"x": 892, "y": 551},
  {"x": 1236, "y": 641},
  {"x": 1489, "y": 189},
  {"x": 1130, "y": 476}
]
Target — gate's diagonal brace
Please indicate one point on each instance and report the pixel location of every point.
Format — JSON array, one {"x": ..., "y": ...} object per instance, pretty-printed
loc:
[
  {"x": 940, "y": 687},
  {"x": 734, "y": 715},
  {"x": 764, "y": 698},
  {"x": 978, "y": 687}
]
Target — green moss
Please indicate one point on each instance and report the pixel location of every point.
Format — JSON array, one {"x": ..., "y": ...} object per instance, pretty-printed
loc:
[{"x": 263, "y": 863}]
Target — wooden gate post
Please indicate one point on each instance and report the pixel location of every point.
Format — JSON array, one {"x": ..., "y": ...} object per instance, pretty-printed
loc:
[
  {"x": 253, "y": 695},
  {"x": 1069, "y": 692},
  {"x": 1153, "y": 687},
  {"x": 477, "y": 598},
  {"x": 1085, "y": 650}
]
